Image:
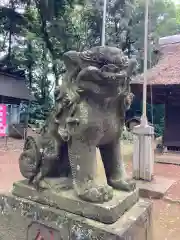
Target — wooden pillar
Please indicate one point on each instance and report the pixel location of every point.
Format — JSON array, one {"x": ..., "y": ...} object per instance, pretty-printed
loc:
[
  {"x": 165, "y": 118},
  {"x": 26, "y": 121}
]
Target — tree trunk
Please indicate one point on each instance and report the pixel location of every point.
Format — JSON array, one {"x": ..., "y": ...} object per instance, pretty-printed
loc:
[
  {"x": 29, "y": 47},
  {"x": 47, "y": 41},
  {"x": 10, "y": 36},
  {"x": 30, "y": 64},
  {"x": 44, "y": 77},
  {"x": 9, "y": 46}
]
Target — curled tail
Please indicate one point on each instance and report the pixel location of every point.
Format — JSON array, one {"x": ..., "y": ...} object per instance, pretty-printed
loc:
[{"x": 30, "y": 159}]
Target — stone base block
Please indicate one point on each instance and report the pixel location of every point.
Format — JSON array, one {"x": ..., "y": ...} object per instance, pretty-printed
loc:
[
  {"x": 168, "y": 158},
  {"x": 27, "y": 220},
  {"x": 65, "y": 199},
  {"x": 156, "y": 188}
]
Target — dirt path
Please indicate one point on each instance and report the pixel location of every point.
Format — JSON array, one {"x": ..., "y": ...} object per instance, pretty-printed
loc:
[
  {"x": 166, "y": 218},
  {"x": 167, "y": 213}
]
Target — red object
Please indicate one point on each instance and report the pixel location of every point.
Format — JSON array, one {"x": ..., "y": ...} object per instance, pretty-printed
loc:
[
  {"x": 39, "y": 237},
  {"x": 3, "y": 120}
]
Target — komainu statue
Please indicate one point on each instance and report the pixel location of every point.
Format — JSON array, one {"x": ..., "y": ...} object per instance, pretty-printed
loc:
[{"x": 89, "y": 113}]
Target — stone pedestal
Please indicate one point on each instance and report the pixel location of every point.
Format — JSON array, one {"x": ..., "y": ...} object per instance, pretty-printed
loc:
[
  {"x": 124, "y": 217},
  {"x": 143, "y": 156},
  {"x": 108, "y": 212},
  {"x": 22, "y": 219}
]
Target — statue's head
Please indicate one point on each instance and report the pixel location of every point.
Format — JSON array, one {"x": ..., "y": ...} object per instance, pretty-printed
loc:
[
  {"x": 100, "y": 56},
  {"x": 97, "y": 57},
  {"x": 100, "y": 71}
]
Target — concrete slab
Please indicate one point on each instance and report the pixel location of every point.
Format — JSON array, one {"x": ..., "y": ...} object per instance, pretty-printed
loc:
[
  {"x": 156, "y": 188},
  {"x": 168, "y": 158},
  {"x": 65, "y": 199}
]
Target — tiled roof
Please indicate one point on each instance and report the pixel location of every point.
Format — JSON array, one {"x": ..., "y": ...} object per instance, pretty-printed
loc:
[{"x": 167, "y": 71}]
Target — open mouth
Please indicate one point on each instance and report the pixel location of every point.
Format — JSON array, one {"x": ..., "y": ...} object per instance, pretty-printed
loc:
[{"x": 112, "y": 75}]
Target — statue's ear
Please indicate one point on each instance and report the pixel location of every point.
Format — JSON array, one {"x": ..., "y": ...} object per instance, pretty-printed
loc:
[
  {"x": 71, "y": 60},
  {"x": 131, "y": 67}
]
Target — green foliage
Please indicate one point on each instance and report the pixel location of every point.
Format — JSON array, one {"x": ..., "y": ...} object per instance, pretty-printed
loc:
[
  {"x": 127, "y": 136},
  {"x": 118, "y": 22},
  {"x": 157, "y": 116},
  {"x": 36, "y": 37},
  {"x": 178, "y": 14},
  {"x": 162, "y": 23}
]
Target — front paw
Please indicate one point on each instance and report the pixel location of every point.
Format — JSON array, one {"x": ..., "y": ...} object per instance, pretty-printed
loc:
[
  {"x": 122, "y": 184},
  {"x": 94, "y": 193}
]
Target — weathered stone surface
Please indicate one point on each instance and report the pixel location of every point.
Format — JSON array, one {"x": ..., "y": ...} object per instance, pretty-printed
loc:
[
  {"x": 65, "y": 199},
  {"x": 17, "y": 214},
  {"x": 89, "y": 113},
  {"x": 156, "y": 188}
]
